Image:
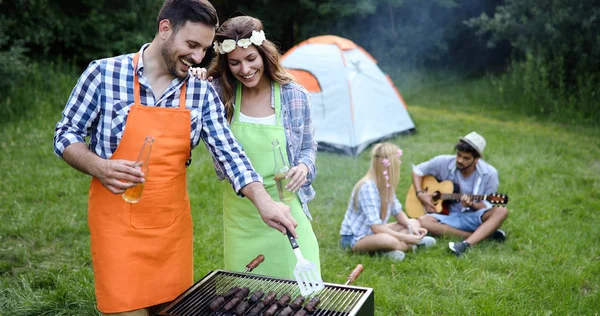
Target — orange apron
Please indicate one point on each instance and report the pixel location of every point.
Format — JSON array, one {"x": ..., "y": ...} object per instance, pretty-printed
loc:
[{"x": 142, "y": 253}]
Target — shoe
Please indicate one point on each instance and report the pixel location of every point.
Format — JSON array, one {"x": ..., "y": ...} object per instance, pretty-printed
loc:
[
  {"x": 395, "y": 255},
  {"x": 499, "y": 235},
  {"x": 458, "y": 248},
  {"x": 427, "y": 241}
]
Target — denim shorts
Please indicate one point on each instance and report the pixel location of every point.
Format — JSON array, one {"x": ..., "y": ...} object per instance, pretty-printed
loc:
[
  {"x": 347, "y": 242},
  {"x": 465, "y": 221}
]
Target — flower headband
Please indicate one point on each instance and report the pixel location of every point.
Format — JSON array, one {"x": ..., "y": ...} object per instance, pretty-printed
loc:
[
  {"x": 228, "y": 45},
  {"x": 386, "y": 163}
]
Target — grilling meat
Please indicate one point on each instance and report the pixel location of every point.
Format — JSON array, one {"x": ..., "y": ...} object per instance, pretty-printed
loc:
[
  {"x": 286, "y": 311},
  {"x": 271, "y": 310},
  {"x": 284, "y": 299},
  {"x": 232, "y": 303},
  {"x": 242, "y": 293},
  {"x": 257, "y": 309},
  {"x": 256, "y": 296},
  {"x": 218, "y": 301},
  {"x": 231, "y": 291},
  {"x": 241, "y": 308},
  {"x": 301, "y": 312},
  {"x": 312, "y": 304},
  {"x": 297, "y": 303},
  {"x": 269, "y": 298}
]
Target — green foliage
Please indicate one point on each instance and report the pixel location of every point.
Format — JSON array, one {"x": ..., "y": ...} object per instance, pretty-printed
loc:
[
  {"x": 81, "y": 30},
  {"x": 538, "y": 87},
  {"x": 547, "y": 266},
  {"x": 561, "y": 35}
]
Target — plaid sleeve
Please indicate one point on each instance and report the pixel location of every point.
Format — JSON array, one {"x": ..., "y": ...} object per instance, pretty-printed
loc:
[
  {"x": 227, "y": 152},
  {"x": 308, "y": 152},
  {"x": 369, "y": 203},
  {"x": 80, "y": 111}
]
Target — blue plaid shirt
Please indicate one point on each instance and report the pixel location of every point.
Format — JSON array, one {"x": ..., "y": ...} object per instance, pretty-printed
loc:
[
  {"x": 99, "y": 105},
  {"x": 358, "y": 221}
]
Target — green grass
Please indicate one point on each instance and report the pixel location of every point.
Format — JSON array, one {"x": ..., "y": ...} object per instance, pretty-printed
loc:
[{"x": 550, "y": 263}]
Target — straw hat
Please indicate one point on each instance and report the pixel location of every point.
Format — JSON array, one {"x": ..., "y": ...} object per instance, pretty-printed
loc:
[{"x": 476, "y": 141}]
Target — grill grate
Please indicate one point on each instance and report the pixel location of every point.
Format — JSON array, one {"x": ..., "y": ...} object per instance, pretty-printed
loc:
[{"x": 335, "y": 299}]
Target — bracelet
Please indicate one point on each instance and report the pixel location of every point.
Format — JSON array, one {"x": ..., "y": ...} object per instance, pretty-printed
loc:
[{"x": 419, "y": 191}]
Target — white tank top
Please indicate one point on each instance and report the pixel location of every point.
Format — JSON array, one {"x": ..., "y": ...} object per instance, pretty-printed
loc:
[{"x": 267, "y": 120}]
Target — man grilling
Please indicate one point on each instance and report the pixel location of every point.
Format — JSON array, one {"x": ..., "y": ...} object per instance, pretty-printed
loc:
[{"x": 142, "y": 253}]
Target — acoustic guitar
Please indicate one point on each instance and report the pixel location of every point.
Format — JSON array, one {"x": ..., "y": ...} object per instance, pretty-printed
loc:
[{"x": 441, "y": 192}]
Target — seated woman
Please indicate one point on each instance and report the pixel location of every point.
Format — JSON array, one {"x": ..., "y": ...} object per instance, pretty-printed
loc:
[{"x": 365, "y": 227}]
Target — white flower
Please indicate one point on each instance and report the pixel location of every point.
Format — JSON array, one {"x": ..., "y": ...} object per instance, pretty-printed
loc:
[
  {"x": 227, "y": 46},
  {"x": 257, "y": 37},
  {"x": 217, "y": 47},
  {"x": 244, "y": 42}
]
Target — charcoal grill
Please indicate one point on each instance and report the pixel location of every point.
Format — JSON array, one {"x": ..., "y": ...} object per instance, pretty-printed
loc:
[{"x": 336, "y": 299}]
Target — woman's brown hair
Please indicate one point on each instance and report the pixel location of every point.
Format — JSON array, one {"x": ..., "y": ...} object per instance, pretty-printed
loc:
[{"x": 237, "y": 28}]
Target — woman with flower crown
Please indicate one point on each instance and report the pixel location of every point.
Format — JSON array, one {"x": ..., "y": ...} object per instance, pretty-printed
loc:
[
  {"x": 365, "y": 227},
  {"x": 263, "y": 104}
]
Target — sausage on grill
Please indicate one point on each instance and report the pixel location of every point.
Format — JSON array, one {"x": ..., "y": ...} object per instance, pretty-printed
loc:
[
  {"x": 242, "y": 293},
  {"x": 218, "y": 301},
  {"x": 232, "y": 303},
  {"x": 231, "y": 291},
  {"x": 301, "y": 312},
  {"x": 256, "y": 296},
  {"x": 269, "y": 298},
  {"x": 271, "y": 310},
  {"x": 284, "y": 299},
  {"x": 257, "y": 309},
  {"x": 297, "y": 303},
  {"x": 286, "y": 311},
  {"x": 312, "y": 304},
  {"x": 241, "y": 308}
]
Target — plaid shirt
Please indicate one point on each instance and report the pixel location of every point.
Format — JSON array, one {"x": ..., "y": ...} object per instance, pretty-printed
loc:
[
  {"x": 357, "y": 222},
  {"x": 99, "y": 105},
  {"x": 296, "y": 115}
]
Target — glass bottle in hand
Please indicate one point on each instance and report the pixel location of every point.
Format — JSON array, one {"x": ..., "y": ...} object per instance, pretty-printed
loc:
[
  {"x": 281, "y": 170},
  {"x": 134, "y": 194}
]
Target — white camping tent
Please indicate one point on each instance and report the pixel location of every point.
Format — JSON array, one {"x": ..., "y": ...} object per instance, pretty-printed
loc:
[{"x": 354, "y": 103}]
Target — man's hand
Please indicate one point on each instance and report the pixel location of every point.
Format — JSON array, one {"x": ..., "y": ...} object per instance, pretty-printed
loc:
[
  {"x": 115, "y": 175},
  {"x": 119, "y": 175},
  {"x": 274, "y": 214},
  {"x": 426, "y": 201},
  {"x": 465, "y": 200},
  {"x": 297, "y": 176}
]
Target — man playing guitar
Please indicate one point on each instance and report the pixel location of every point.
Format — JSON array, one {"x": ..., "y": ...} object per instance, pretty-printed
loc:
[{"x": 472, "y": 220}]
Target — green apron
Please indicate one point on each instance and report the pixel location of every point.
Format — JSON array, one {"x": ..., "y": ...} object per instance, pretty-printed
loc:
[{"x": 245, "y": 234}]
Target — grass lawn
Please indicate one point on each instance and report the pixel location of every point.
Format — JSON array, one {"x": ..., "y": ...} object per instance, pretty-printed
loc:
[{"x": 550, "y": 263}]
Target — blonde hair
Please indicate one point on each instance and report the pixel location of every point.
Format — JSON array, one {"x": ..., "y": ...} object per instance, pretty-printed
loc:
[
  {"x": 235, "y": 29},
  {"x": 377, "y": 171}
]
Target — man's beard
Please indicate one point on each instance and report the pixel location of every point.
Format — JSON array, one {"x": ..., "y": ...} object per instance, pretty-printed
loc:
[
  {"x": 170, "y": 61},
  {"x": 463, "y": 167}
]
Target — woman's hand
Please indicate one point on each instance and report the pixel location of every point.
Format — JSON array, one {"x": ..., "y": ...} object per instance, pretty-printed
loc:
[
  {"x": 200, "y": 73},
  {"x": 297, "y": 176}
]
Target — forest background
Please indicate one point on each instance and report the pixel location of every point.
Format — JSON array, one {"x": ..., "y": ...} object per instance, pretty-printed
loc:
[{"x": 543, "y": 56}]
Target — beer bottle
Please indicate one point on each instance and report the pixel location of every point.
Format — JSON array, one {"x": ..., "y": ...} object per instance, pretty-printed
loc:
[
  {"x": 279, "y": 173},
  {"x": 134, "y": 194}
]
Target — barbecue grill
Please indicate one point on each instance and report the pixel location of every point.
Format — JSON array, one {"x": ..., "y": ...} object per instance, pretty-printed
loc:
[{"x": 336, "y": 299}]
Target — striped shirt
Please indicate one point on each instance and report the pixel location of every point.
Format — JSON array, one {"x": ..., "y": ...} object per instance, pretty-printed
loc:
[
  {"x": 358, "y": 221},
  {"x": 99, "y": 105}
]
